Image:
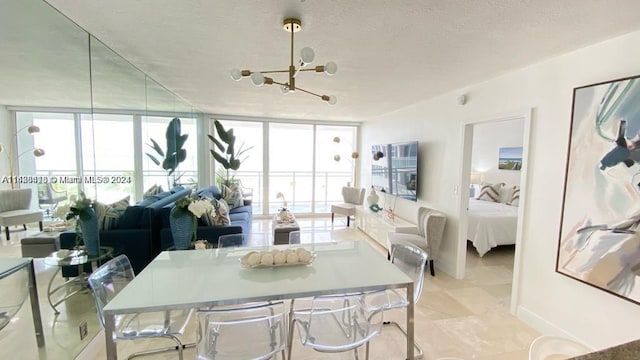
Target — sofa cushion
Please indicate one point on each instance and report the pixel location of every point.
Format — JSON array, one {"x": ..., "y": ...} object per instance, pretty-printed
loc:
[
  {"x": 153, "y": 190},
  {"x": 232, "y": 195},
  {"x": 219, "y": 216},
  {"x": 211, "y": 192},
  {"x": 131, "y": 218}
]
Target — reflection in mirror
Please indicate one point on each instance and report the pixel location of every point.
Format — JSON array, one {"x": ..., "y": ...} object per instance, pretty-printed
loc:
[{"x": 95, "y": 115}]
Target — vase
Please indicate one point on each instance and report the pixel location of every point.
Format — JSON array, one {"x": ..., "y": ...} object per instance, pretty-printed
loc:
[
  {"x": 373, "y": 197},
  {"x": 181, "y": 229},
  {"x": 90, "y": 235}
]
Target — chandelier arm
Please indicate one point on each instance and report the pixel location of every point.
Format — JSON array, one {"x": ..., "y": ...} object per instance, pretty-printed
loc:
[
  {"x": 311, "y": 69},
  {"x": 309, "y": 92},
  {"x": 279, "y": 83},
  {"x": 272, "y": 71}
]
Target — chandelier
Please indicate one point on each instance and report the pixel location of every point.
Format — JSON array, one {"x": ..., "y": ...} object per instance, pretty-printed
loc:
[{"x": 306, "y": 57}]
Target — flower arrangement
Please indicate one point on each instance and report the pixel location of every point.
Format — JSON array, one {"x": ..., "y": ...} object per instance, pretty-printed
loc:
[
  {"x": 78, "y": 211},
  {"x": 194, "y": 207}
]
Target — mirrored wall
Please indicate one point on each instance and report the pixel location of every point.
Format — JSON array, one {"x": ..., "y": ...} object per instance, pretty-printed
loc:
[{"x": 77, "y": 117}]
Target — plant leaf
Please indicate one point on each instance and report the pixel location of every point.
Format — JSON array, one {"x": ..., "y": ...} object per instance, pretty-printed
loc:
[
  {"x": 181, "y": 140},
  {"x": 224, "y": 135},
  {"x": 216, "y": 142},
  {"x": 234, "y": 164},
  {"x": 153, "y": 158},
  {"x": 156, "y": 147},
  {"x": 221, "y": 160}
]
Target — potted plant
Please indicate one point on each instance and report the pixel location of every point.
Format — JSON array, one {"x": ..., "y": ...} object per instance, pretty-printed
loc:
[
  {"x": 174, "y": 154},
  {"x": 226, "y": 154},
  {"x": 86, "y": 223}
]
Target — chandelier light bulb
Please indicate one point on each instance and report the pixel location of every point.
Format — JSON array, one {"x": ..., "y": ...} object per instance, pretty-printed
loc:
[
  {"x": 332, "y": 100},
  {"x": 307, "y": 55},
  {"x": 330, "y": 68},
  {"x": 257, "y": 79},
  {"x": 236, "y": 74},
  {"x": 33, "y": 129},
  {"x": 284, "y": 89},
  {"x": 336, "y": 139},
  {"x": 38, "y": 152},
  {"x": 336, "y": 157}
]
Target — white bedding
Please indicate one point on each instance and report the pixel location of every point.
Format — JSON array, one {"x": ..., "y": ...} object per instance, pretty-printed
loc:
[{"x": 491, "y": 224}]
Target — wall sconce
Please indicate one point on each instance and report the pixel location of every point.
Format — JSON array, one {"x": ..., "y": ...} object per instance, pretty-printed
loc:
[
  {"x": 354, "y": 157},
  {"x": 10, "y": 151}
]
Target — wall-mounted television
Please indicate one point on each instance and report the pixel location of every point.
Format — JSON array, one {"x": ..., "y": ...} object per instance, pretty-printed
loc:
[{"x": 394, "y": 169}]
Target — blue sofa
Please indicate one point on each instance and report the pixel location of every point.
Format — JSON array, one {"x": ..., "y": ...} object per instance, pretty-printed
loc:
[
  {"x": 241, "y": 219},
  {"x": 138, "y": 231}
]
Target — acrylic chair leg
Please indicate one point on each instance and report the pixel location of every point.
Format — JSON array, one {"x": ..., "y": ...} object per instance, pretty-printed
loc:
[{"x": 291, "y": 330}]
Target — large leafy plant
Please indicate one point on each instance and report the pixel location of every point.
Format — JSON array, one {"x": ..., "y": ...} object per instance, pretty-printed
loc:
[
  {"x": 225, "y": 152},
  {"x": 171, "y": 158}
]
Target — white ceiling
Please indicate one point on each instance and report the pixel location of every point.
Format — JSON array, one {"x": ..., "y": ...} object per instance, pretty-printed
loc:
[{"x": 390, "y": 54}]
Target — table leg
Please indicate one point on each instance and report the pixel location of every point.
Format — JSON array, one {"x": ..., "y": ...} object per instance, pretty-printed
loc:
[
  {"x": 35, "y": 306},
  {"x": 109, "y": 335},
  {"x": 410, "y": 323}
]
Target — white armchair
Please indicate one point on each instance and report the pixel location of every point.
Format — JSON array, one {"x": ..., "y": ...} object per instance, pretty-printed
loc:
[
  {"x": 352, "y": 196},
  {"x": 14, "y": 209},
  {"x": 427, "y": 235}
]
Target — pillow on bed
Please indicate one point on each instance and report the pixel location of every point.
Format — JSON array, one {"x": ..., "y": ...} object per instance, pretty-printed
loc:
[
  {"x": 515, "y": 198},
  {"x": 506, "y": 193},
  {"x": 490, "y": 192}
]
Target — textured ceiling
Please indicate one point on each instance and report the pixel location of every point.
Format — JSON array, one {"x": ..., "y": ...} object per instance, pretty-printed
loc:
[{"x": 390, "y": 54}]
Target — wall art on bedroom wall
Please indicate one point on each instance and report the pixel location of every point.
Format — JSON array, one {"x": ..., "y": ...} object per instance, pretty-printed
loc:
[
  {"x": 510, "y": 158},
  {"x": 598, "y": 243}
]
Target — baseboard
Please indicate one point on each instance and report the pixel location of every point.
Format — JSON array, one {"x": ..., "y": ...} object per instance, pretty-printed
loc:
[
  {"x": 544, "y": 326},
  {"x": 94, "y": 349}
]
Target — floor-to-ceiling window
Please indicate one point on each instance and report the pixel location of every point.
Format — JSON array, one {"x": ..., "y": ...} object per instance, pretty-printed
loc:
[
  {"x": 291, "y": 166},
  {"x": 108, "y": 156},
  {"x": 308, "y": 163},
  {"x": 105, "y": 165}
]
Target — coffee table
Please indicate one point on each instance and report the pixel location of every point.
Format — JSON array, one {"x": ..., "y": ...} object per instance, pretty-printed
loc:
[
  {"x": 281, "y": 229},
  {"x": 71, "y": 258}
]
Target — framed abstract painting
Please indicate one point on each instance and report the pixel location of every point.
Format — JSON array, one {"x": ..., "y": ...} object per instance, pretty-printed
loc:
[{"x": 599, "y": 243}]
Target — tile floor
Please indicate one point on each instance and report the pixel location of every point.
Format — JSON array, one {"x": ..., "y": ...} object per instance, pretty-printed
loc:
[{"x": 468, "y": 319}]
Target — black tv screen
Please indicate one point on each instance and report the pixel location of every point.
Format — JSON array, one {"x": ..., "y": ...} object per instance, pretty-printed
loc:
[
  {"x": 394, "y": 169},
  {"x": 404, "y": 170}
]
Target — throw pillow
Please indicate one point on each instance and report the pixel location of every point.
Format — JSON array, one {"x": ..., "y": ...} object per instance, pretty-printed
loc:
[
  {"x": 219, "y": 216},
  {"x": 109, "y": 214},
  {"x": 233, "y": 196},
  {"x": 153, "y": 190},
  {"x": 490, "y": 192},
  {"x": 515, "y": 198}
]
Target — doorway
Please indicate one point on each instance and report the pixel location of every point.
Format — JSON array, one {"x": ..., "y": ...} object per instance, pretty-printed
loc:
[{"x": 481, "y": 163}]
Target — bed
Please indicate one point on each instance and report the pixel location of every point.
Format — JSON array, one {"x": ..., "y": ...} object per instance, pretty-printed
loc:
[{"x": 491, "y": 224}]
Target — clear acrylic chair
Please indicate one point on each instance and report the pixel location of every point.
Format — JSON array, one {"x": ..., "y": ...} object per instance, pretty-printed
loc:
[
  {"x": 412, "y": 261},
  {"x": 107, "y": 281},
  {"x": 14, "y": 289},
  {"x": 294, "y": 237},
  {"x": 335, "y": 323},
  {"x": 230, "y": 240},
  {"x": 249, "y": 332}
]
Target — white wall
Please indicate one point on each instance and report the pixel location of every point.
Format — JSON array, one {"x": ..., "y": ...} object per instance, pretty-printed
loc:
[
  {"x": 488, "y": 138},
  {"x": 549, "y": 301},
  {"x": 5, "y": 140}
]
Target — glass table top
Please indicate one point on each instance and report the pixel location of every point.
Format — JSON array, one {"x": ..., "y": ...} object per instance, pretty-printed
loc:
[
  {"x": 67, "y": 257},
  {"x": 199, "y": 278}
]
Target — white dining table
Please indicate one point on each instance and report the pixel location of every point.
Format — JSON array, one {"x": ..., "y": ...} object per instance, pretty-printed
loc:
[
  {"x": 10, "y": 266},
  {"x": 205, "y": 278}
]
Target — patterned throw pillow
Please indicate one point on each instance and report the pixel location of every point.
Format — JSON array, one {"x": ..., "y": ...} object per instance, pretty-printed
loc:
[
  {"x": 515, "y": 198},
  {"x": 490, "y": 192},
  {"x": 219, "y": 216},
  {"x": 233, "y": 196},
  {"x": 109, "y": 214},
  {"x": 154, "y": 190}
]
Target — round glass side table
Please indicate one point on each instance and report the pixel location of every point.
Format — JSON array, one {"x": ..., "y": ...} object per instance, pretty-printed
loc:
[{"x": 78, "y": 258}]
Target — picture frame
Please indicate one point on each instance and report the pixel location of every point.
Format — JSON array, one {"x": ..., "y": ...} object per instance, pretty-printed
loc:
[
  {"x": 510, "y": 158},
  {"x": 598, "y": 243}
]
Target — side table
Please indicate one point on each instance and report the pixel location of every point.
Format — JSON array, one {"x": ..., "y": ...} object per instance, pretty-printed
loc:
[
  {"x": 70, "y": 258},
  {"x": 281, "y": 229}
]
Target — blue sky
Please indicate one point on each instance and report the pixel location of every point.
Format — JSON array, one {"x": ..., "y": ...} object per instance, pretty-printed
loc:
[{"x": 511, "y": 152}]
